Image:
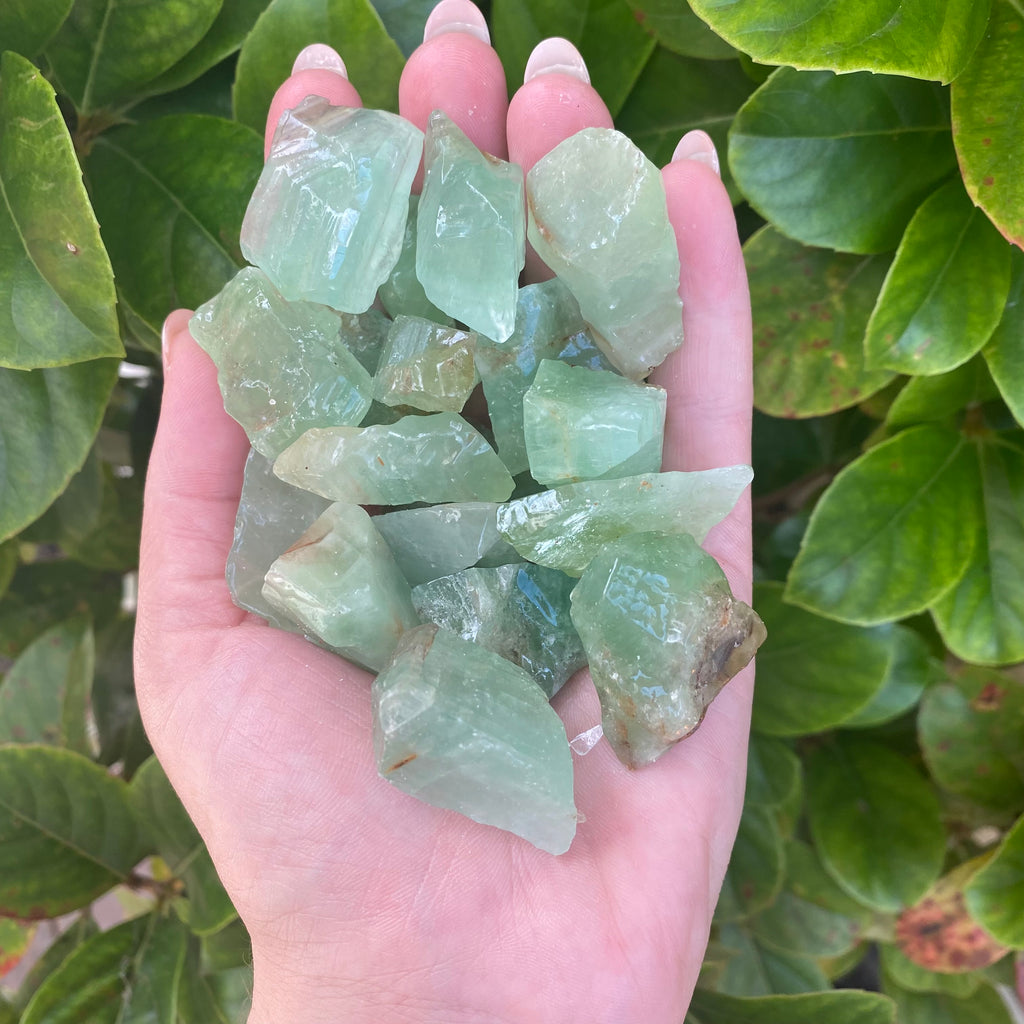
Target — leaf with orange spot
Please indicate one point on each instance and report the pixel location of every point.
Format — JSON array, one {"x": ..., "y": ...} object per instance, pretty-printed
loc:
[{"x": 15, "y": 937}]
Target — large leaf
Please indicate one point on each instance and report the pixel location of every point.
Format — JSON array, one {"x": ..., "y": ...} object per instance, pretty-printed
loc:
[
  {"x": 26, "y": 26},
  {"x": 902, "y": 970},
  {"x": 122, "y": 737},
  {"x": 876, "y": 822},
  {"x": 982, "y": 618},
  {"x": 188, "y": 178},
  {"x": 906, "y": 676},
  {"x": 1005, "y": 351},
  {"x": 983, "y": 1006},
  {"x": 841, "y": 161},
  {"x": 848, "y": 1007},
  {"x": 995, "y": 896},
  {"x": 811, "y": 308},
  {"x": 774, "y": 772},
  {"x": 404, "y": 20},
  {"x": 815, "y": 673},
  {"x": 674, "y": 25},
  {"x": 755, "y": 872},
  {"x": 988, "y": 120},
  {"x": 55, "y": 954},
  {"x": 67, "y": 831},
  {"x": 927, "y": 399},
  {"x": 106, "y": 50},
  {"x": 757, "y": 970},
  {"x": 893, "y": 532},
  {"x": 56, "y": 285},
  {"x": 945, "y": 291},
  {"x": 352, "y": 27}
]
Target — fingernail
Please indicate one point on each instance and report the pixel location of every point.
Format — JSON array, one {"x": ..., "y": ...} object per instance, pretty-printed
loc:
[
  {"x": 697, "y": 145},
  {"x": 320, "y": 55},
  {"x": 556, "y": 55},
  {"x": 166, "y": 337},
  {"x": 456, "y": 16}
]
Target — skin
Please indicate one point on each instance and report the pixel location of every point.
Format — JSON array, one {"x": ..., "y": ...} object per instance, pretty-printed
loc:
[{"x": 362, "y": 903}]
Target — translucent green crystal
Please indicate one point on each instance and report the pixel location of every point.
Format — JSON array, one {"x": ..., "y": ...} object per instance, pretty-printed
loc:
[
  {"x": 419, "y": 458},
  {"x": 272, "y": 515},
  {"x": 663, "y": 635},
  {"x": 426, "y": 366},
  {"x": 583, "y": 424},
  {"x": 364, "y": 335},
  {"x": 564, "y": 528},
  {"x": 518, "y": 611},
  {"x": 339, "y": 582},
  {"x": 327, "y": 217},
  {"x": 608, "y": 237},
  {"x": 470, "y": 231},
  {"x": 549, "y": 325},
  {"x": 280, "y": 365},
  {"x": 462, "y": 728}
]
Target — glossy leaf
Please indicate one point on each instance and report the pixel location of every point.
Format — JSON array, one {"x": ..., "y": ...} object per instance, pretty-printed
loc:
[
  {"x": 404, "y": 20},
  {"x": 122, "y": 737},
  {"x": 811, "y": 308},
  {"x": 774, "y": 773},
  {"x": 754, "y": 876},
  {"x": 995, "y": 896},
  {"x": 894, "y": 531},
  {"x": 945, "y": 291},
  {"x": 675, "y": 26},
  {"x": 56, "y": 285},
  {"x": 1005, "y": 351},
  {"x": 352, "y": 27},
  {"x": 849, "y": 1007},
  {"x": 906, "y": 675},
  {"x": 983, "y": 1006},
  {"x": 928, "y": 39},
  {"x": 912, "y": 976},
  {"x": 988, "y": 123},
  {"x": 757, "y": 970},
  {"x": 876, "y": 822},
  {"x": 928, "y": 399},
  {"x": 26, "y": 26},
  {"x": 885, "y": 139},
  {"x": 188, "y": 178}
]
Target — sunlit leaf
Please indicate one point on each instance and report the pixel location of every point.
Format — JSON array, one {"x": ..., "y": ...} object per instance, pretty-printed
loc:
[
  {"x": 995, "y": 896},
  {"x": 1005, "y": 351}
]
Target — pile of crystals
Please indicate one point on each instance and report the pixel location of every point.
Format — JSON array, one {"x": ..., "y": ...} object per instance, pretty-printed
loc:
[{"x": 350, "y": 352}]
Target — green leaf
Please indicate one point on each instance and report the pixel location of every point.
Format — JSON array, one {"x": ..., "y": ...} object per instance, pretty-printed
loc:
[
  {"x": 122, "y": 737},
  {"x": 674, "y": 25},
  {"x": 814, "y": 673},
  {"x": 969, "y": 728},
  {"x": 847, "y": 1007},
  {"x": 56, "y": 285},
  {"x": 927, "y": 39},
  {"x": 774, "y": 772},
  {"x": 15, "y": 938},
  {"x": 902, "y": 970},
  {"x": 8, "y": 563},
  {"x": 56, "y": 953},
  {"x": 67, "y": 831},
  {"x": 756, "y": 970},
  {"x": 811, "y": 308},
  {"x": 8, "y": 1015},
  {"x": 675, "y": 94},
  {"x": 982, "y": 618},
  {"x": 181, "y": 846},
  {"x": 404, "y": 20},
  {"x": 106, "y": 50},
  {"x": 988, "y": 121},
  {"x": 841, "y": 161},
  {"x": 612, "y": 41},
  {"x": 945, "y": 291},
  {"x": 995, "y": 896},
  {"x": 26, "y": 26},
  {"x": 754, "y": 876},
  {"x": 894, "y": 531},
  {"x": 1005, "y": 351},
  {"x": 197, "y": 1003},
  {"x": 224, "y": 950},
  {"x": 188, "y": 178},
  {"x": 983, "y": 1006},
  {"x": 927, "y": 399},
  {"x": 906, "y": 676},
  {"x": 352, "y": 27}
]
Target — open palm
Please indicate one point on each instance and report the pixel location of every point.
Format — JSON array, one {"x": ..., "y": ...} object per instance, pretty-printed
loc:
[{"x": 362, "y": 903}]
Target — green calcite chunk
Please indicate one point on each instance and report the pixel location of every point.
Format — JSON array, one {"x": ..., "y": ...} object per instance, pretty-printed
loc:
[
  {"x": 281, "y": 365},
  {"x": 364, "y": 335},
  {"x": 339, "y": 582},
  {"x": 564, "y": 528},
  {"x": 462, "y": 728},
  {"x": 419, "y": 458},
  {"x": 663, "y": 635},
  {"x": 549, "y": 325},
  {"x": 583, "y": 424},
  {"x": 599, "y": 220},
  {"x": 518, "y": 611},
  {"x": 327, "y": 217},
  {"x": 426, "y": 366},
  {"x": 470, "y": 231},
  {"x": 272, "y": 515}
]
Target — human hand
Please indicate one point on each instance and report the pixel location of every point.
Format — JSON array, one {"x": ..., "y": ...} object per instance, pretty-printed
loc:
[{"x": 362, "y": 903}]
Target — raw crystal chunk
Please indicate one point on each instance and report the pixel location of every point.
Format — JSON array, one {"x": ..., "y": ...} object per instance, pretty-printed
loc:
[
  {"x": 419, "y": 458},
  {"x": 549, "y": 325},
  {"x": 663, "y": 635},
  {"x": 364, "y": 334},
  {"x": 272, "y": 515},
  {"x": 426, "y": 365},
  {"x": 585, "y": 424},
  {"x": 608, "y": 237},
  {"x": 461, "y": 728},
  {"x": 470, "y": 231},
  {"x": 340, "y": 583},
  {"x": 566, "y": 527},
  {"x": 327, "y": 216},
  {"x": 518, "y": 611},
  {"x": 280, "y": 365}
]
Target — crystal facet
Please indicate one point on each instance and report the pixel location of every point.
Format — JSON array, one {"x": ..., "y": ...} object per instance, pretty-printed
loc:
[
  {"x": 608, "y": 237},
  {"x": 470, "y": 231},
  {"x": 340, "y": 582},
  {"x": 663, "y": 635},
  {"x": 461, "y": 728},
  {"x": 364, "y": 334},
  {"x": 327, "y": 216},
  {"x": 419, "y": 458},
  {"x": 280, "y": 365}
]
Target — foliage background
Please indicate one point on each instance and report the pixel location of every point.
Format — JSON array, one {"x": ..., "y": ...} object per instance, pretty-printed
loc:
[{"x": 882, "y": 845}]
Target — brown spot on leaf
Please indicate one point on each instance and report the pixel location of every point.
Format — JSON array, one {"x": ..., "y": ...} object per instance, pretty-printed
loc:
[
  {"x": 986, "y": 142},
  {"x": 989, "y": 697},
  {"x": 989, "y": 180}
]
